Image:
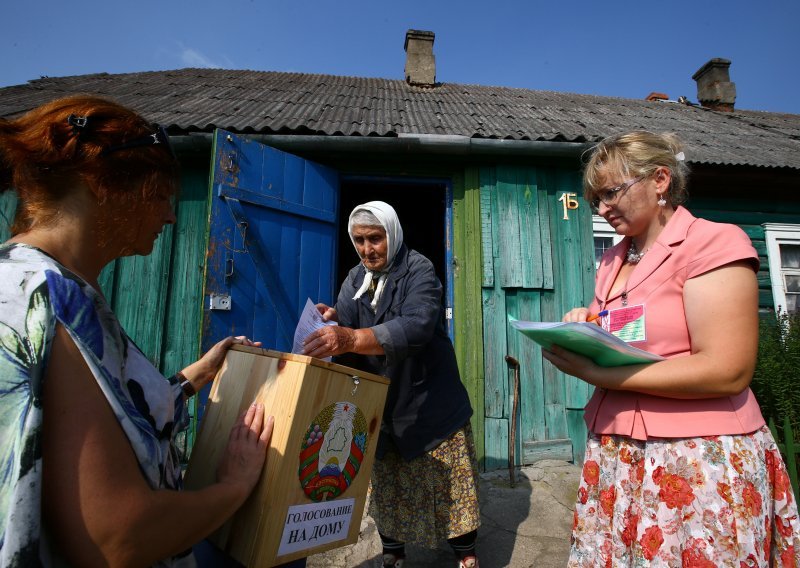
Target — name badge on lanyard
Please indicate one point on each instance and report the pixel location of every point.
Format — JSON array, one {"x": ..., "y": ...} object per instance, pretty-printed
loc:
[{"x": 627, "y": 323}]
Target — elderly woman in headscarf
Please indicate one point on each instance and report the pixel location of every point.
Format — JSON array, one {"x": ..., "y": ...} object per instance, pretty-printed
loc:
[{"x": 391, "y": 323}]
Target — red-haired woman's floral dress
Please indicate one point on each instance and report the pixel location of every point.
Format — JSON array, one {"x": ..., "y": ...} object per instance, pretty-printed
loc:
[{"x": 36, "y": 295}]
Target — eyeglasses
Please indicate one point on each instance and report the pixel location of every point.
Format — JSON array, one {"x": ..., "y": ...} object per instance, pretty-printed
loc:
[
  {"x": 609, "y": 196},
  {"x": 160, "y": 136}
]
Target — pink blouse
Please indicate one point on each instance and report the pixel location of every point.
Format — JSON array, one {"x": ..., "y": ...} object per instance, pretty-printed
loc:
[{"x": 687, "y": 247}]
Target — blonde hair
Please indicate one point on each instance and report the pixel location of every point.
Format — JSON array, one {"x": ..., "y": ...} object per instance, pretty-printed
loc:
[{"x": 634, "y": 154}]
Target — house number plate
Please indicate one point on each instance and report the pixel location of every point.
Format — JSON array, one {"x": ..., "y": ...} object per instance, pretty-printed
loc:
[{"x": 568, "y": 201}]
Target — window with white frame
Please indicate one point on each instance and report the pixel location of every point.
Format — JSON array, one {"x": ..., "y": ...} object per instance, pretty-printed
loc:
[
  {"x": 604, "y": 238},
  {"x": 783, "y": 253}
]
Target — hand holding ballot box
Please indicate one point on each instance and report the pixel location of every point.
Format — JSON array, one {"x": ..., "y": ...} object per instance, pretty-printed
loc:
[{"x": 312, "y": 492}]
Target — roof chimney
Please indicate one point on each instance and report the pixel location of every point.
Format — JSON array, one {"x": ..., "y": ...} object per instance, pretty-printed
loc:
[
  {"x": 714, "y": 87},
  {"x": 655, "y": 96},
  {"x": 420, "y": 62}
]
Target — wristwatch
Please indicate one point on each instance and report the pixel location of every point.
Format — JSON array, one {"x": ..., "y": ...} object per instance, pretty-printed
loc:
[{"x": 186, "y": 385}]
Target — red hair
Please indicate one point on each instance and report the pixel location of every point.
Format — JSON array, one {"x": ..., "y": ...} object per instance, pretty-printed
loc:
[{"x": 43, "y": 156}]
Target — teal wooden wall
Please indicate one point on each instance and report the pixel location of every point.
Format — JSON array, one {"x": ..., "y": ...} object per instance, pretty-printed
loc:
[
  {"x": 8, "y": 204},
  {"x": 157, "y": 297},
  {"x": 536, "y": 266}
]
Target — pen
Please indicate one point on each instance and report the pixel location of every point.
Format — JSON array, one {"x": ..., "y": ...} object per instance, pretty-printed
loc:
[{"x": 598, "y": 315}]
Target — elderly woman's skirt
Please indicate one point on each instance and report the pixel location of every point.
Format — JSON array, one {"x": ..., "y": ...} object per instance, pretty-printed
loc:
[
  {"x": 712, "y": 501},
  {"x": 431, "y": 497}
]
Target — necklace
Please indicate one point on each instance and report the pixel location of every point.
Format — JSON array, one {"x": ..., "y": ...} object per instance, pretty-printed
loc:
[{"x": 634, "y": 256}]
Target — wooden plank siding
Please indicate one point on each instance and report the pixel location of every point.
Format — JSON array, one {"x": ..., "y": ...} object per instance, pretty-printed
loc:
[
  {"x": 494, "y": 308},
  {"x": 139, "y": 295},
  {"x": 506, "y": 219},
  {"x": 573, "y": 266},
  {"x": 468, "y": 319},
  {"x": 495, "y": 349},
  {"x": 530, "y": 236},
  {"x": 541, "y": 266},
  {"x": 496, "y": 443},
  {"x": 487, "y": 178},
  {"x": 8, "y": 206}
]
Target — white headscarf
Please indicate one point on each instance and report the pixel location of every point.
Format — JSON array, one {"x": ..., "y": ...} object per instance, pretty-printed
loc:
[{"x": 387, "y": 217}]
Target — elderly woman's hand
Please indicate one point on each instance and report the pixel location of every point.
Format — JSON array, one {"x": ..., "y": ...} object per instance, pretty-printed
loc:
[
  {"x": 330, "y": 340},
  {"x": 244, "y": 456},
  {"x": 203, "y": 371},
  {"x": 328, "y": 313}
]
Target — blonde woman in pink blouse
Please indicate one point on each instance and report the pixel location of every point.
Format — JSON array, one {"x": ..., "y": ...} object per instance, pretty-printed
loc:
[{"x": 680, "y": 469}]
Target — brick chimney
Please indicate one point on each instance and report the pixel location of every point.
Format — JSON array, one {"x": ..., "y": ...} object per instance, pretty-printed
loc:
[
  {"x": 714, "y": 87},
  {"x": 420, "y": 62},
  {"x": 655, "y": 96}
]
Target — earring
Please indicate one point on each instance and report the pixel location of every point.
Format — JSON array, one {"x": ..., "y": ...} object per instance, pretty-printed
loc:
[{"x": 661, "y": 201}]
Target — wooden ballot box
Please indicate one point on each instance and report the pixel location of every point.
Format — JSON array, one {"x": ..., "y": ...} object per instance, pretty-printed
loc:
[{"x": 312, "y": 492}]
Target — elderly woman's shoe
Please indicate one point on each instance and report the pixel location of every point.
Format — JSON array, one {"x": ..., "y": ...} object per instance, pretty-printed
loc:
[{"x": 392, "y": 561}]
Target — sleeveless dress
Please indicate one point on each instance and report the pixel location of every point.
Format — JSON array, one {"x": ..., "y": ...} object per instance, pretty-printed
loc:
[{"x": 37, "y": 293}]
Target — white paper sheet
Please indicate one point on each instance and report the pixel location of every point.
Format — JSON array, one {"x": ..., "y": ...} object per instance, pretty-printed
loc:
[
  {"x": 310, "y": 321},
  {"x": 313, "y": 524}
]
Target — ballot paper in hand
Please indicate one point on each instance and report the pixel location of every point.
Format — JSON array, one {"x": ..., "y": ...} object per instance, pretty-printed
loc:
[
  {"x": 310, "y": 321},
  {"x": 588, "y": 339}
]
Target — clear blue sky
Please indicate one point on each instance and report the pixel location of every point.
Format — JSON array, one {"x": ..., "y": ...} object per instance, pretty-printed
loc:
[{"x": 613, "y": 48}]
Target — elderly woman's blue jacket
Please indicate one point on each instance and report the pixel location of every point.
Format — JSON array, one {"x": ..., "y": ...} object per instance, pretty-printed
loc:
[{"x": 426, "y": 401}]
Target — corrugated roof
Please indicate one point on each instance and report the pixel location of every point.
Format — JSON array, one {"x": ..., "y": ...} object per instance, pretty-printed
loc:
[{"x": 190, "y": 100}]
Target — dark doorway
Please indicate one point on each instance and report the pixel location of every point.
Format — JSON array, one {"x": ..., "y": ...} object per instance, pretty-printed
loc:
[{"x": 420, "y": 207}]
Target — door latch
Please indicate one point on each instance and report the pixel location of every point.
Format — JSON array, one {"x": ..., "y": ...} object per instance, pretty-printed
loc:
[{"x": 220, "y": 302}]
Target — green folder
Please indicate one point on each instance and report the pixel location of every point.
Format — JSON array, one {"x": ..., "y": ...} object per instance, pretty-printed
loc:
[{"x": 587, "y": 339}]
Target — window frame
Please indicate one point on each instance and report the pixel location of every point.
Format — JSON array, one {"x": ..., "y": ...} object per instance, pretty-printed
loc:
[
  {"x": 775, "y": 235},
  {"x": 601, "y": 228}
]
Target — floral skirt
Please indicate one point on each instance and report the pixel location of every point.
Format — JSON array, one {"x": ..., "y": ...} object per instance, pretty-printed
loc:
[
  {"x": 431, "y": 497},
  {"x": 711, "y": 501}
]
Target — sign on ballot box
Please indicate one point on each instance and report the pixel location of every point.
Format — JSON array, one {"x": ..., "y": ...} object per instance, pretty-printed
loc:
[{"x": 311, "y": 494}]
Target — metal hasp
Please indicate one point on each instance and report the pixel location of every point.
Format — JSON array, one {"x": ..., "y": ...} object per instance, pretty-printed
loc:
[
  {"x": 220, "y": 302},
  {"x": 356, "y": 382},
  {"x": 512, "y": 436}
]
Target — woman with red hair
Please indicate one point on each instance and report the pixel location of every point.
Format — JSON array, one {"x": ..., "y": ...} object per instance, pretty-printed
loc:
[{"x": 87, "y": 424}]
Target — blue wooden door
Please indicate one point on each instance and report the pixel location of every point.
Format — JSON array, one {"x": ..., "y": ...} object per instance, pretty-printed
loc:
[{"x": 272, "y": 241}]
